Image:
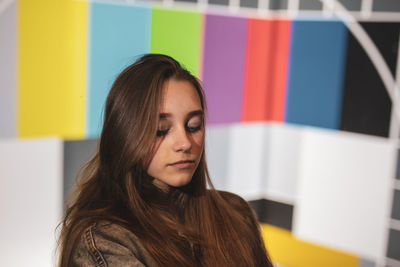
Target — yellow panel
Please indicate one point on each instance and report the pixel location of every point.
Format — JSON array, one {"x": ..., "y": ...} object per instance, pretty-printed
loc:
[
  {"x": 288, "y": 251},
  {"x": 51, "y": 68}
]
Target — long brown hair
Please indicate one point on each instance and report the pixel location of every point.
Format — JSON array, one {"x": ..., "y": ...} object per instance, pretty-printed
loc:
[{"x": 193, "y": 225}]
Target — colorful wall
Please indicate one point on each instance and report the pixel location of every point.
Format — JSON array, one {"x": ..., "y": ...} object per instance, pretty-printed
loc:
[{"x": 300, "y": 117}]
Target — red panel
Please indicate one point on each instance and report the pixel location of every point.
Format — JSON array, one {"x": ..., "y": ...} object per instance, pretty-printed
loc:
[
  {"x": 280, "y": 63},
  {"x": 266, "y": 70}
]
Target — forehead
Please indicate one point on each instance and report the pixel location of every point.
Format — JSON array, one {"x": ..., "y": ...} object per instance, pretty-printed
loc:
[{"x": 179, "y": 96}]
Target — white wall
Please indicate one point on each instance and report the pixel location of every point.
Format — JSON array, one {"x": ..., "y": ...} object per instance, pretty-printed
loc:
[{"x": 30, "y": 200}]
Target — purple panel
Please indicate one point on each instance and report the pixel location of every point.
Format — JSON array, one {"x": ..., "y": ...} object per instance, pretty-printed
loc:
[{"x": 223, "y": 67}]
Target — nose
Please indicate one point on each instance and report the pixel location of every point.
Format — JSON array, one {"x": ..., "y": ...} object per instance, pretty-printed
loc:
[{"x": 182, "y": 142}]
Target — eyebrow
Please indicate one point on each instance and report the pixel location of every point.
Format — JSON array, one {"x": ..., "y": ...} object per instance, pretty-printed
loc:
[{"x": 189, "y": 115}]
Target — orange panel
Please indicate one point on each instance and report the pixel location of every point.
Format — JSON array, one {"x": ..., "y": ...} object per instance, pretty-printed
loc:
[
  {"x": 266, "y": 70},
  {"x": 280, "y": 59}
]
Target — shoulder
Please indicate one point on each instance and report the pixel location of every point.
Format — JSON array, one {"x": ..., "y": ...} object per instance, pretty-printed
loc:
[
  {"x": 232, "y": 198},
  {"x": 240, "y": 205},
  {"x": 108, "y": 244}
]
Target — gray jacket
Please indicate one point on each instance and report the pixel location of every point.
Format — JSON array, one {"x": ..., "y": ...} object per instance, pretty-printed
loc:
[{"x": 106, "y": 244}]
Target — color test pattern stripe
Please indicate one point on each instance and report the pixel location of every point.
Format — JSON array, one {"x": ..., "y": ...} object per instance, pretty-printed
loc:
[
  {"x": 178, "y": 34},
  {"x": 119, "y": 34},
  {"x": 265, "y": 70},
  {"x": 317, "y": 61},
  {"x": 51, "y": 68},
  {"x": 366, "y": 105},
  {"x": 223, "y": 67}
]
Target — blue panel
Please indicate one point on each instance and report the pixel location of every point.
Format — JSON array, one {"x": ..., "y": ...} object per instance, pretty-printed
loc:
[
  {"x": 316, "y": 73},
  {"x": 119, "y": 34}
]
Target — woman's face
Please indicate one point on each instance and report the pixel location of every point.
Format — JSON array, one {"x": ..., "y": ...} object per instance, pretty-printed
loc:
[{"x": 180, "y": 135}]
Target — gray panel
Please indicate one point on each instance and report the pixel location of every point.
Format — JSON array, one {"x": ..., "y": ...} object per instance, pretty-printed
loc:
[
  {"x": 217, "y": 151},
  {"x": 274, "y": 213},
  {"x": 219, "y": 2},
  {"x": 386, "y": 5},
  {"x": 76, "y": 153},
  {"x": 352, "y": 5},
  {"x": 393, "y": 251},
  {"x": 398, "y": 165},
  {"x": 366, "y": 263},
  {"x": 278, "y": 4},
  {"x": 8, "y": 67},
  {"x": 310, "y": 5},
  {"x": 249, "y": 3},
  {"x": 396, "y": 205}
]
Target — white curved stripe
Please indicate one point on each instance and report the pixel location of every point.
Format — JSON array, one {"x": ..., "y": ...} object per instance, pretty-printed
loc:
[
  {"x": 372, "y": 51},
  {"x": 4, "y": 5},
  {"x": 394, "y": 129}
]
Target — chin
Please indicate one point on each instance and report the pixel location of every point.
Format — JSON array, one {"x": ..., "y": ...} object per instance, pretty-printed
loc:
[{"x": 182, "y": 181}]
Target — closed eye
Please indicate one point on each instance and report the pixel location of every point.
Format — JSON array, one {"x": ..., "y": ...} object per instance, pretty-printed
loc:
[
  {"x": 162, "y": 132},
  {"x": 193, "y": 129}
]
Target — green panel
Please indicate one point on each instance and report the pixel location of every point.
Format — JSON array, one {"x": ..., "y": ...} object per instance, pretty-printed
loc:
[{"x": 178, "y": 34}]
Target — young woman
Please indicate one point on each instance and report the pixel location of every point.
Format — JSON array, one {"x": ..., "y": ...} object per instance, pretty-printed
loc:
[{"x": 143, "y": 200}]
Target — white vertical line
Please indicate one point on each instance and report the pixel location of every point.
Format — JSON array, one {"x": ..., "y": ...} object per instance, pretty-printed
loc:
[
  {"x": 263, "y": 6},
  {"x": 168, "y": 2},
  {"x": 293, "y": 7},
  {"x": 234, "y": 5},
  {"x": 366, "y": 8},
  {"x": 394, "y": 129},
  {"x": 328, "y": 8},
  {"x": 202, "y": 3}
]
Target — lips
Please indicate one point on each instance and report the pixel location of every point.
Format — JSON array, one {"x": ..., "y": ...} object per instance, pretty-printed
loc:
[{"x": 183, "y": 164}]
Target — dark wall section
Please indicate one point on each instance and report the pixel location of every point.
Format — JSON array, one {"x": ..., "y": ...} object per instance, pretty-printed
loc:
[
  {"x": 278, "y": 4},
  {"x": 310, "y": 5},
  {"x": 76, "y": 153},
  {"x": 396, "y": 205},
  {"x": 352, "y": 5},
  {"x": 398, "y": 166},
  {"x": 219, "y": 2},
  {"x": 394, "y": 244},
  {"x": 386, "y": 5},
  {"x": 366, "y": 104},
  {"x": 249, "y": 3},
  {"x": 274, "y": 213}
]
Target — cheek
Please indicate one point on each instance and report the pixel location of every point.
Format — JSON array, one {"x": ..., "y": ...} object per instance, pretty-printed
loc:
[
  {"x": 156, "y": 161},
  {"x": 198, "y": 140}
]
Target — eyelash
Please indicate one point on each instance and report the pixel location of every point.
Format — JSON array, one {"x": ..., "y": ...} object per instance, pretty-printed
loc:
[
  {"x": 162, "y": 132},
  {"x": 189, "y": 129},
  {"x": 193, "y": 129}
]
